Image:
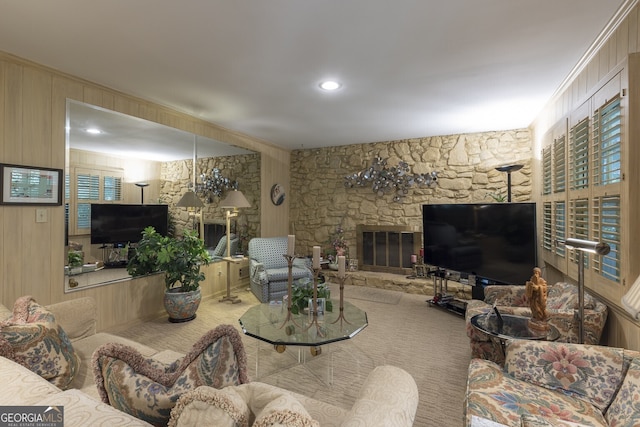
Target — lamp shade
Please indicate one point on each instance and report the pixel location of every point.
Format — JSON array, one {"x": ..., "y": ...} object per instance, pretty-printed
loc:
[
  {"x": 235, "y": 199},
  {"x": 190, "y": 200}
]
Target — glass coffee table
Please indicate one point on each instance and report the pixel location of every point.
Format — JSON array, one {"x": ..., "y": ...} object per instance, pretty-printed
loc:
[
  {"x": 504, "y": 327},
  {"x": 269, "y": 323}
]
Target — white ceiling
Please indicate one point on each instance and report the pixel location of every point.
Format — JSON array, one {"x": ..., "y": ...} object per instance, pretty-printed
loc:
[{"x": 409, "y": 68}]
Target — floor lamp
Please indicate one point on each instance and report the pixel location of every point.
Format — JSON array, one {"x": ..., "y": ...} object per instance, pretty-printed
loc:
[
  {"x": 234, "y": 200},
  {"x": 190, "y": 200},
  {"x": 508, "y": 169},
  {"x": 141, "y": 185},
  {"x": 583, "y": 246}
]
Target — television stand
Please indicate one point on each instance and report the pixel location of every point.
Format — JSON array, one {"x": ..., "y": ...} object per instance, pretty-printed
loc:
[
  {"x": 115, "y": 264},
  {"x": 450, "y": 303}
]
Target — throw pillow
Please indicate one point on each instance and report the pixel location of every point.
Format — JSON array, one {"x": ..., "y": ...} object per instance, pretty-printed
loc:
[
  {"x": 148, "y": 389},
  {"x": 590, "y": 373},
  {"x": 273, "y": 406},
  {"x": 32, "y": 338},
  {"x": 210, "y": 406},
  {"x": 625, "y": 408}
]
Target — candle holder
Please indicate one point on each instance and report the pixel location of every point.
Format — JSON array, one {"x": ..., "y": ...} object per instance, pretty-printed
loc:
[
  {"x": 289, "y": 317},
  {"x": 314, "y": 308},
  {"x": 341, "y": 317}
]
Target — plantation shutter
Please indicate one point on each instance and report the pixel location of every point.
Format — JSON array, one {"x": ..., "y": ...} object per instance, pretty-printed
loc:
[{"x": 579, "y": 155}]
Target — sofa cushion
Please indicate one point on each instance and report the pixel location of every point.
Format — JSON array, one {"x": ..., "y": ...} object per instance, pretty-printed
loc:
[
  {"x": 148, "y": 389},
  {"x": 81, "y": 410},
  {"x": 32, "y": 338},
  {"x": 564, "y": 296},
  {"x": 591, "y": 373},
  {"x": 625, "y": 408},
  {"x": 529, "y": 420},
  {"x": 20, "y": 386},
  {"x": 495, "y": 395}
]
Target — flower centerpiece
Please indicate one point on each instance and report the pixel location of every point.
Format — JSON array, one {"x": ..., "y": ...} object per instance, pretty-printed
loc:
[{"x": 337, "y": 247}]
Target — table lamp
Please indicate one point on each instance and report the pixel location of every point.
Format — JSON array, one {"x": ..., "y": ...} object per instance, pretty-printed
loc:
[
  {"x": 190, "y": 200},
  {"x": 234, "y": 200}
]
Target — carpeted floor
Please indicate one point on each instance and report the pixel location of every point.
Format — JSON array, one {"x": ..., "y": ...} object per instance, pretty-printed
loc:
[{"x": 428, "y": 342}]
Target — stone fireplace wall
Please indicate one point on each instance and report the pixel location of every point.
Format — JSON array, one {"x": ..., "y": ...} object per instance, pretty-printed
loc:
[
  {"x": 466, "y": 174},
  {"x": 177, "y": 176}
]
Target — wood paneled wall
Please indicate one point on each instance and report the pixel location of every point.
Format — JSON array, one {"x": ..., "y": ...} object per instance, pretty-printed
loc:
[
  {"x": 32, "y": 132},
  {"x": 618, "y": 52}
]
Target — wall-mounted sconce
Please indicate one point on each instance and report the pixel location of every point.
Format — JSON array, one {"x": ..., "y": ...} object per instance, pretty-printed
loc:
[
  {"x": 214, "y": 184},
  {"x": 583, "y": 246},
  {"x": 384, "y": 180}
]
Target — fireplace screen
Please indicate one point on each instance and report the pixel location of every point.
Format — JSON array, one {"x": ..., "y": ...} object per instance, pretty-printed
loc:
[{"x": 387, "y": 248}]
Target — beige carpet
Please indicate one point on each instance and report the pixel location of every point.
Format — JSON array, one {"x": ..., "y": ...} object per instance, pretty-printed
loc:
[{"x": 403, "y": 330}]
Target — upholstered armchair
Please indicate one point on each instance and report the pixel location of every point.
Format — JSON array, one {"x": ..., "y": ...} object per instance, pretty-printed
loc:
[
  {"x": 562, "y": 307},
  {"x": 268, "y": 270},
  {"x": 220, "y": 250}
]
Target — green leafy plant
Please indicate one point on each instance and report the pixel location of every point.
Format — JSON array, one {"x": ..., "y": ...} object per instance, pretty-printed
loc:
[
  {"x": 498, "y": 197},
  {"x": 303, "y": 290},
  {"x": 180, "y": 258},
  {"x": 74, "y": 259}
]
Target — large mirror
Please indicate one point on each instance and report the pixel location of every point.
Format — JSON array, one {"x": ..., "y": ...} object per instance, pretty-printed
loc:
[{"x": 133, "y": 171}]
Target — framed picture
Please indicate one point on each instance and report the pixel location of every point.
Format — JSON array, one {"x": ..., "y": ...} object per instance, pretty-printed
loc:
[{"x": 28, "y": 185}]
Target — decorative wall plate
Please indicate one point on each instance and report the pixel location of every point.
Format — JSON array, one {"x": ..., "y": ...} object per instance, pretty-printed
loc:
[{"x": 277, "y": 194}]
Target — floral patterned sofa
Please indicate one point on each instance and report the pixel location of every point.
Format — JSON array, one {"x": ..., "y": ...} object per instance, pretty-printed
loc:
[
  {"x": 562, "y": 306},
  {"x": 556, "y": 384}
]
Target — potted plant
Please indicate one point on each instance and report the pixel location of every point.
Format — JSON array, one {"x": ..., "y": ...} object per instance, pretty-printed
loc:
[
  {"x": 180, "y": 259},
  {"x": 303, "y": 291},
  {"x": 75, "y": 261}
]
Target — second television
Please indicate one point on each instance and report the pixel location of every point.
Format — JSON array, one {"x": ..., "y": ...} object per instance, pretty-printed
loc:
[
  {"x": 495, "y": 241},
  {"x": 122, "y": 224}
]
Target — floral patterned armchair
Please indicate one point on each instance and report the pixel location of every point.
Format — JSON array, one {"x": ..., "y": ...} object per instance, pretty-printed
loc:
[
  {"x": 556, "y": 384},
  {"x": 268, "y": 270},
  {"x": 562, "y": 306}
]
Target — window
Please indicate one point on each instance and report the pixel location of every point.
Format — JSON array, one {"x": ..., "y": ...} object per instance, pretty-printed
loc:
[
  {"x": 559, "y": 165},
  {"x": 559, "y": 221},
  {"x": 547, "y": 239},
  {"x": 546, "y": 171},
  {"x": 91, "y": 186},
  {"x": 606, "y": 143},
  {"x": 606, "y": 220},
  {"x": 579, "y": 155}
]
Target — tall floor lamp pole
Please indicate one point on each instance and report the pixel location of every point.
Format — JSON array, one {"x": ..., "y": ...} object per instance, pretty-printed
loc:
[
  {"x": 583, "y": 246},
  {"x": 508, "y": 169},
  {"x": 234, "y": 200}
]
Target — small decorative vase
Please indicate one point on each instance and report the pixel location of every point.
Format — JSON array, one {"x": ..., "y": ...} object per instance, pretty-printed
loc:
[
  {"x": 333, "y": 266},
  {"x": 181, "y": 306}
]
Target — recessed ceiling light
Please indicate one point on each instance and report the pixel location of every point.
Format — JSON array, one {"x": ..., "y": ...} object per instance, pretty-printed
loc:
[
  {"x": 330, "y": 85},
  {"x": 94, "y": 131}
]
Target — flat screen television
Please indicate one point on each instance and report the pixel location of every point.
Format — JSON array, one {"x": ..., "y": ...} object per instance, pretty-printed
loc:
[
  {"x": 495, "y": 241},
  {"x": 119, "y": 223}
]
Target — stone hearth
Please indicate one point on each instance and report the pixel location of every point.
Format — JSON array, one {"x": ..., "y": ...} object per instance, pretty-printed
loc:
[{"x": 397, "y": 282}]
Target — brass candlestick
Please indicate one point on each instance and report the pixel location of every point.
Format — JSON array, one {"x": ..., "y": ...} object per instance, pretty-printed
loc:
[
  {"x": 289, "y": 317},
  {"x": 341, "y": 315},
  {"x": 314, "y": 308}
]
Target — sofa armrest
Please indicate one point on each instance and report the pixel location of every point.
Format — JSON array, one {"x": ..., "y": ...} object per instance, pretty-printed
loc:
[
  {"x": 506, "y": 295},
  {"x": 388, "y": 397},
  {"x": 78, "y": 317},
  {"x": 257, "y": 272}
]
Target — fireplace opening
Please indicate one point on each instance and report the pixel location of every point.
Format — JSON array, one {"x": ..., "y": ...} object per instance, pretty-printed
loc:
[{"x": 387, "y": 248}]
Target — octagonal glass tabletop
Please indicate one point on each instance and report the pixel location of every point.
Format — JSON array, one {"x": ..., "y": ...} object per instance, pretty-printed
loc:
[{"x": 268, "y": 322}]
